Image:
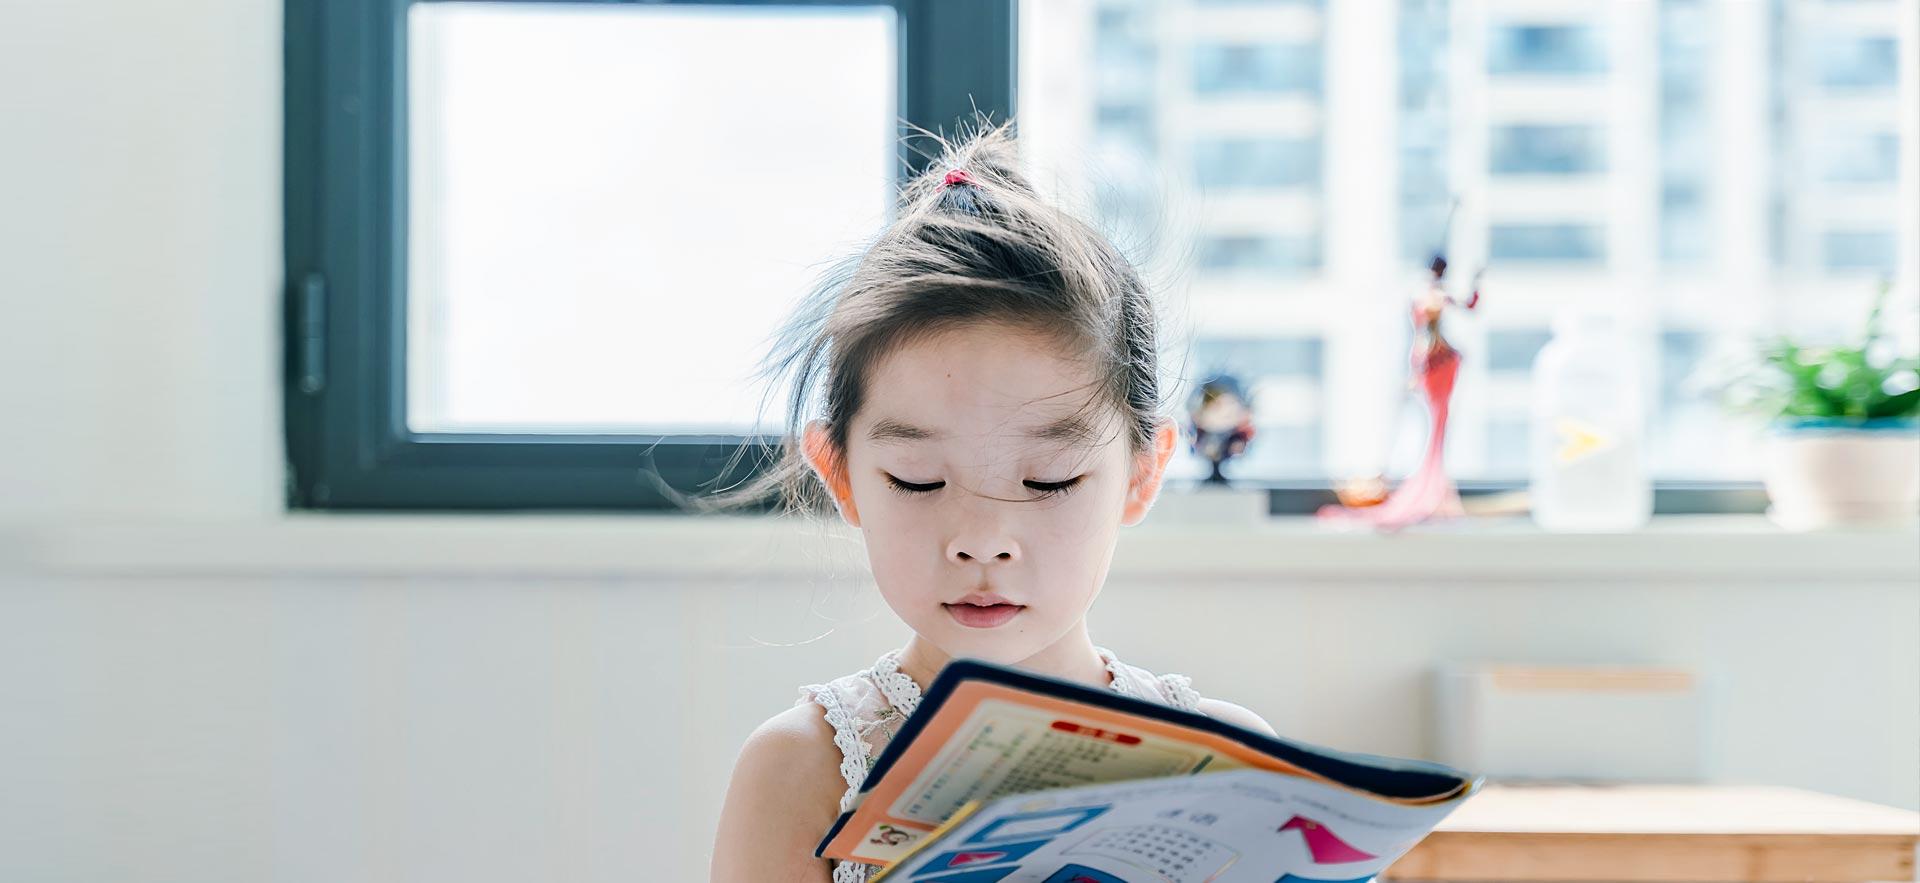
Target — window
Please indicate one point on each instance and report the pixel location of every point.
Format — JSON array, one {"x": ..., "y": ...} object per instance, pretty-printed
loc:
[
  {"x": 505, "y": 221},
  {"x": 1247, "y": 163},
  {"x": 1302, "y": 161},
  {"x": 1857, "y": 62},
  {"x": 1545, "y": 49},
  {"x": 472, "y": 179},
  {"x": 1871, "y": 158},
  {"x": 551, "y": 241},
  {"x": 1271, "y": 69},
  {"x": 1582, "y": 243},
  {"x": 1868, "y": 250},
  {"x": 1547, "y": 150},
  {"x": 1274, "y": 253}
]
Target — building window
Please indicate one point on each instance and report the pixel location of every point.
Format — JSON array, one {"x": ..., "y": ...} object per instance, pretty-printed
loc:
[
  {"x": 1247, "y": 163},
  {"x": 1256, "y": 69},
  {"x": 1546, "y": 50},
  {"x": 1871, "y": 251},
  {"x": 1560, "y": 243},
  {"x": 1290, "y": 255},
  {"x": 1547, "y": 150}
]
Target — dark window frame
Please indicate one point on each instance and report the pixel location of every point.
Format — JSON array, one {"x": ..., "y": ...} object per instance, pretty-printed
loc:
[
  {"x": 348, "y": 446},
  {"x": 348, "y": 443}
]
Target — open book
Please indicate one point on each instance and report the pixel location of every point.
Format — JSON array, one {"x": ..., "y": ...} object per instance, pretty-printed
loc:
[{"x": 1002, "y": 775}]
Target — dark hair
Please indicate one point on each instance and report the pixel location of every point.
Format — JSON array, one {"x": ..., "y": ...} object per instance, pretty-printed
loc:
[{"x": 978, "y": 247}]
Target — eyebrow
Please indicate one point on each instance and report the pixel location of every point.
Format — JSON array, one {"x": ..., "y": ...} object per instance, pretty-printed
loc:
[{"x": 1070, "y": 429}]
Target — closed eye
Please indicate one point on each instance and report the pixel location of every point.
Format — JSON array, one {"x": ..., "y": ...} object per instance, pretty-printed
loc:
[
  {"x": 1045, "y": 488},
  {"x": 1055, "y": 488},
  {"x": 914, "y": 488}
]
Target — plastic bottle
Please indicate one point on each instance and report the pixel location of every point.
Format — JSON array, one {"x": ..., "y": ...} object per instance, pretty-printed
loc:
[{"x": 1587, "y": 454}]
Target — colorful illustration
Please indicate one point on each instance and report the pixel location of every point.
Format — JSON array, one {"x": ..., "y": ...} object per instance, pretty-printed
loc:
[
  {"x": 980, "y": 875},
  {"x": 998, "y": 854},
  {"x": 1081, "y": 874},
  {"x": 1326, "y": 847},
  {"x": 1171, "y": 852},
  {"x": 1255, "y": 835},
  {"x": 1050, "y": 823},
  {"x": 1241, "y": 822}
]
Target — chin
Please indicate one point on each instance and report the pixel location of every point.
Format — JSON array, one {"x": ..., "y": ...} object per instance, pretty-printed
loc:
[{"x": 1004, "y": 648}]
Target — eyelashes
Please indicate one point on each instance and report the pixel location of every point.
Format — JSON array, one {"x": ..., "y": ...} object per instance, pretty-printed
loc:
[
  {"x": 1042, "y": 489},
  {"x": 908, "y": 487}
]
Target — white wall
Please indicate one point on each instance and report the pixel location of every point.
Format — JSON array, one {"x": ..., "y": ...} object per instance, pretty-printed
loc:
[
  {"x": 496, "y": 725},
  {"x": 438, "y": 728},
  {"x": 139, "y": 257}
]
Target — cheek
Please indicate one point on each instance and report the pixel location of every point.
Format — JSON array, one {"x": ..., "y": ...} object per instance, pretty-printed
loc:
[
  {"x": 899, "y": 532},
  {"x": 1081, "y": 525}
]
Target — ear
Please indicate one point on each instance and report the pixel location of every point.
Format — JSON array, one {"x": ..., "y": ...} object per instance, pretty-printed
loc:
[
  {"x": 1149, "y": 467},
  {"x": 829, "y": 463}
]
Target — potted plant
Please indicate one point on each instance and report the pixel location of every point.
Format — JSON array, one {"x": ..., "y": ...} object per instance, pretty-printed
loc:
[{"x": 1843, "y": 445}]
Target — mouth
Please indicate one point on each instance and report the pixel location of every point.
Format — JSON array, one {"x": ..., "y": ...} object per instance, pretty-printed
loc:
[{"x": 983, "y": 611}]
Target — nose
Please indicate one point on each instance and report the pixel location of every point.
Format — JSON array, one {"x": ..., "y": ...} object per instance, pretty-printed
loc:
[
  {"x": 982, "y": 544},
  {"x": 960, "y": 555},
  {"x": 980, "y": 529}
]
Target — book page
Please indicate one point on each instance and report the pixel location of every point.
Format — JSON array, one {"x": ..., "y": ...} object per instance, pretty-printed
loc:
[
  {"x": 1007, "y": 748},
  {"x": 989, "y": 740},
  {"x": 1250, "y": 826}
]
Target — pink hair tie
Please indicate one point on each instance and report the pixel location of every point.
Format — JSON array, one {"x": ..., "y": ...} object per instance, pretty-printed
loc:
[{"x": 957, "y": 176}]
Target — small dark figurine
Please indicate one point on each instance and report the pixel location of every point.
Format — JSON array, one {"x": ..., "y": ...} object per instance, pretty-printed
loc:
[{"x": 1222, "y": 422}]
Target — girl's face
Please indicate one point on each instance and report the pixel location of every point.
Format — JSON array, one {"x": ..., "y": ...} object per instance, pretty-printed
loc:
[{"x": 989, "y": 486}]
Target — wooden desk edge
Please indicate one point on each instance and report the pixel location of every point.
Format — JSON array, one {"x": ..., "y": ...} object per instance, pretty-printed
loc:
[{"x": 1629, "y": 858}]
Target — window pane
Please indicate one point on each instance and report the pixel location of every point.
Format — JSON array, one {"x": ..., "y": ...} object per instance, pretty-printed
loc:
[
  {"x": 1239, "y": 69},
  {"x": 1847, "y": 62},
  {"x": 1726, "y": 169},
  {"x": 1869, "y": 250},
  {"x": 1546, "y": 242},
  {"x": 1277, "y": 254},
  {"x": 1552, "y": 150},
  {"x": 1861, "y": 159},
  {"x": 1244, "y": 163},
  {"x": 611, "y": 206},
  {"x": 1545, "y": 49}
]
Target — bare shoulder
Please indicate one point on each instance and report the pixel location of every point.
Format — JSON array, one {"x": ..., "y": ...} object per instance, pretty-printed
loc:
[
  {"x": 1240, "y": 717},
  {"x": 784, "y": 795}
]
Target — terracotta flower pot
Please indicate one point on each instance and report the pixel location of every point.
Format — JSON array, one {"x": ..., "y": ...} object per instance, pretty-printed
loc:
[{"x": 1823, "y": 473}]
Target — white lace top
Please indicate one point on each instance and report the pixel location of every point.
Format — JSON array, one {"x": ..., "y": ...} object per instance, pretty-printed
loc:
[{"x": 867, "y": 707}]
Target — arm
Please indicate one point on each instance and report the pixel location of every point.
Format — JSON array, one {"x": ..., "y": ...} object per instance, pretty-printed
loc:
[
  {"x": 1234, "y": 714},
  {"x": 784, "y": 795}
]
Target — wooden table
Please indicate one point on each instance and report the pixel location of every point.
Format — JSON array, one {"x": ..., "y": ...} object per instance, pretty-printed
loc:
[{"x": 1700, "y": 834}]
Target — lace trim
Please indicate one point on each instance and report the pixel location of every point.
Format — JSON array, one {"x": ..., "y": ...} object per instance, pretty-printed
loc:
[
  {"x": 853, "y": 752},
  {"x": 1121, "y": 684},
  {"x": 1180, "y": 689},
  {"x": 901, "y": 692}
]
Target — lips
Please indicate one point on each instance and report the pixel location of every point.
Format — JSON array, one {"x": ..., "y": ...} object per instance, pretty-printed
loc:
[{"x": 983, "y": 610}]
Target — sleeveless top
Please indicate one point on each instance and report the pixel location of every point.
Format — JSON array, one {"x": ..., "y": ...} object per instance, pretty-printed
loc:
[{"x": 866, "y": 709}]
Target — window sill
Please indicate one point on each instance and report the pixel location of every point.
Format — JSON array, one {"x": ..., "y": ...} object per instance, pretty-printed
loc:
[{"x": 657, "y": 547}]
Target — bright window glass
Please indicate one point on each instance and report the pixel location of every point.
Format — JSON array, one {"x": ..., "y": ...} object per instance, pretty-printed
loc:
[{"x": 612, "y": 206}]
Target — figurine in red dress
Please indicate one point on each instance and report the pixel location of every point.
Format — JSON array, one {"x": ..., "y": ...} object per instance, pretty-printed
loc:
[{"x": 1428, "y": 493}]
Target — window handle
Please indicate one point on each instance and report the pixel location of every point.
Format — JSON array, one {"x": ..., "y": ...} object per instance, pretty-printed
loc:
[{"x": 312, "y": 310}]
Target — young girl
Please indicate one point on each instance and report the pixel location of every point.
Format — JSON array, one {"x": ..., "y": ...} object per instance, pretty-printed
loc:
[{"x": 988, "y": 397}]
